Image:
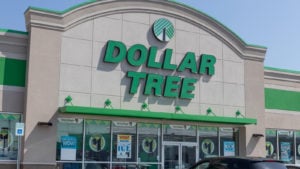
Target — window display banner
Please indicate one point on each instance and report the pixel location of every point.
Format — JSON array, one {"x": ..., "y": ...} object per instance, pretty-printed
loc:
[
  {"x": 124, "y": 146},
  {"x": 229, "y": 148},
  {"x": 6, "y": 138},
  {"x": 207, "y": 146},
  {"x": 285, "y": 153},
  {"x": 269, "y": 148},
  {"x": 68, "y": 148},
  {"x": 149, "y": 145}
]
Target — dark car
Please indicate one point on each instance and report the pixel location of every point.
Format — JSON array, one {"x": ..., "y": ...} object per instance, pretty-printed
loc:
[
  {"x": 291, "y": 166},
  {"x": 238, "y": 163}
]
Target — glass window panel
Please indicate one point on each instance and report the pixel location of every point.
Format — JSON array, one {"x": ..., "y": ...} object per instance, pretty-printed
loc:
[
  {"x": 124, "y": 141},
  {"x": 184, "y": 133},
  {"x": 97, "y": 140},
  {"x": 188, "y": 156},
  {"x": 69, "y": 139},
  {"x": 69, "y": 165},
  {"x": 8, "y": 140},
  {"x": 297, "y": 133},
  {"x": 149, "y": 166},
  {"x": 229, "y": 139},
  {"x": 208, "y": 142},
  {"x": 271, "y": 144},
  {"x": 96, "y": 166},
  {"x": 149, "y": 142},
  {"x": 286, "y": 144}
]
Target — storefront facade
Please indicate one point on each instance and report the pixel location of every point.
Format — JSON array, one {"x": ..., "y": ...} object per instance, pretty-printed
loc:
[{"x": 148, "y": 84}]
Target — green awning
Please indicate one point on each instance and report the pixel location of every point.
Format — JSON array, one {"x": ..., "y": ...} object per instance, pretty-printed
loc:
[
  {"x": 155, "y": 115},
  {"x": 4, "y": 116}
]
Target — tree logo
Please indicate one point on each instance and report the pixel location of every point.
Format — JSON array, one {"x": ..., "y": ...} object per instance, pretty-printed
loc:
[
  {"x": 163, "y": 30},
  {"x": 149, "y": 145},
  {"x": 97, "y": 143},
  {"x": 207, "y": 146}
]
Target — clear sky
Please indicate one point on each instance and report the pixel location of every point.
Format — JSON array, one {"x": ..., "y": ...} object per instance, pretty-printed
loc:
[{"x": 274, "y": 24}]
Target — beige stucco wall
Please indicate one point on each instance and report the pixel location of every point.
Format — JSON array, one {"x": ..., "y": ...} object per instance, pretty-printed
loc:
[
  {"x": 282, "y": 119},
  {"x": 14, "y": 46},
  {"x": 90, "y": 81},
  {"x": 66, "y": 53},
  {"x": 42, "y": 96}
]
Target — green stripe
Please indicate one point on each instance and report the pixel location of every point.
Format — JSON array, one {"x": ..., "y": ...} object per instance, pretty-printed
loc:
[
  {"x": 282, "y": 99},
  {"x": 12, "y": 72},
  {"x": 156, "y": 115},
  {"x": 282, "y": 70},
  {"x": 13, "y": 31}
]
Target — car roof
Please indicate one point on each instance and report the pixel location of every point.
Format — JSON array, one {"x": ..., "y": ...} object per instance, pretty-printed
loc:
[{"x": 249, "y": 159}]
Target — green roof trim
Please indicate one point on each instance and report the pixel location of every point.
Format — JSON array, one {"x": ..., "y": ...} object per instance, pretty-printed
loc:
[
  {"x": 282, "y": 99},
  {"x": 12, "y": 72},
  {"x": 63, "y": 11},
  {"x": 282, "y": 70},
  {"x": 13, "y": 31},
  {"x": 174, "y": 1},
  {"x": 155, "y": 115}
]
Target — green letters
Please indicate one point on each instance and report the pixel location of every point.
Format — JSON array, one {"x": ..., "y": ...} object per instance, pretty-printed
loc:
[
  {"x": 111, "y": 48},
  {"x": 134, "y": 50},
  {"x": 151, "y": 59},
  {"x": 207, "y": 64},
  {"x": 172, "y": 86},
  {"x": 187, "y": 88},
  {"x": 154, "y": 82},
  {"x": 159, "y": 85},
  {"x": 167, "y": 60},
  {"x": 188, "y": 62},
  {"x": 135, "y": 81}
]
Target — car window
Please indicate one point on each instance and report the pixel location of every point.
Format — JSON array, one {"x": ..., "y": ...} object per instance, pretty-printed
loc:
[
  {"x": 235, "y": 164},
  {"x": 268, "y": 165},
  {"x": 218, "y": 166},
  {"x": 293, "y": 167},
  {"x": 204, "y": 165}
]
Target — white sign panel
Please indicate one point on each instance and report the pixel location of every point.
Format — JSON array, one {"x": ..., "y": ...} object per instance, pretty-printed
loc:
[
  {"x": 19, "y": 129},
  {"x": 68, "y": 148},
  {"x": 229, "y": 148},
  {"x": 124, "y": 146}
]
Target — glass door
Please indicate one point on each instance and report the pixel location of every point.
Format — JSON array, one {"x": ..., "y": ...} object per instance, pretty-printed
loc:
[{"x": 179, "y": 155}]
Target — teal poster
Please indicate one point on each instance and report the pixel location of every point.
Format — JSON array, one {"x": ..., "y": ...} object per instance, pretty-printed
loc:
[
  {"x": 229, "y": 148},
  {"x": 285, "y": 151}
]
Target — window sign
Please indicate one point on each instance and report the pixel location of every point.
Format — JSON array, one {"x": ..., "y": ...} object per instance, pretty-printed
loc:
[
  {"x": 229, "y": 148},
  {"x": 149, "y": 142},
  {"x": 68, "y": 148},
  {"x": 149, "y": 145},
  {"x": 285, "y": 151},
  {"x": 19, "y": 129},
  {"x": 207, "y": 146},
  {"x": 269, "y": 149},
  {"x": 208, "y": 142},
  {"x": 8, "y": 139},
  {"x": 124, "y": 146},
  {"x": 285, "y": 143}
]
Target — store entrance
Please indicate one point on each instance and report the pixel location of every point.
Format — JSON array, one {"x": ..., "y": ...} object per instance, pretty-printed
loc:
[{"x": 179, "y": 155}]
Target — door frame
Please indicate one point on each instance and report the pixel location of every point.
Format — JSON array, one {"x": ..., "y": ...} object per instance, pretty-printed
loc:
[{"x": 180, "y": 145}]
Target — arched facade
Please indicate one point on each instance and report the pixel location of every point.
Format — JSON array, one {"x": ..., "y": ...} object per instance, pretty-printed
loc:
[{"x": 152, "y": 83}]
